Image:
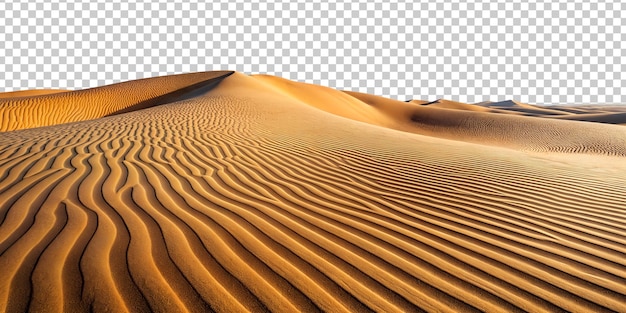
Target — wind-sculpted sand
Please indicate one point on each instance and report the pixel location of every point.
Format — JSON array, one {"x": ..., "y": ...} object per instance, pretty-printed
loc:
[
  {"x": 240, "y": 193},
  {"x": 51, "y": 107}
]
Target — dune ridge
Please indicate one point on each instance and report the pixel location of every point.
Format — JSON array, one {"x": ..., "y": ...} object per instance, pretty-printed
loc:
[{"x": 258, "y": 194}]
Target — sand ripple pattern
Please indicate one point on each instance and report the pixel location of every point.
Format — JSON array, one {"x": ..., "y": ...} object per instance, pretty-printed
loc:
[{"x": 224, "y": 203}]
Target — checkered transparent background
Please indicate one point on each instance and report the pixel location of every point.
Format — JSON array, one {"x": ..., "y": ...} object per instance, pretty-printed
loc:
[{"x": 546, "y": 53}]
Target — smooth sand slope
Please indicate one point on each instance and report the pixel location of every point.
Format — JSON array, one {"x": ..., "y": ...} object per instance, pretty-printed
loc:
[{"x": 253, "y": 193}]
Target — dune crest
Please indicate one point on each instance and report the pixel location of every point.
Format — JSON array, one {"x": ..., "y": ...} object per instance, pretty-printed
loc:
[{"x": 256, "y": 194}]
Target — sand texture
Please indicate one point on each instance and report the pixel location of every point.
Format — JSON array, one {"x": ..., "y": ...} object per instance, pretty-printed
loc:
[{"x": 225, "y": 192}]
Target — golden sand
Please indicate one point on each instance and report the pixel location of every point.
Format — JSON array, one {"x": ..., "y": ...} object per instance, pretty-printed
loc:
[{"x": 227, "y": 192}]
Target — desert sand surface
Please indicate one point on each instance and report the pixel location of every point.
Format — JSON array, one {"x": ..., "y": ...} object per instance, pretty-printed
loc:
[
  {"x": 227, "y": 192},
  {"x": 29, "y": 93},
  {"x": 598, "y": 113},
  {"x": 45, "y": 108}
]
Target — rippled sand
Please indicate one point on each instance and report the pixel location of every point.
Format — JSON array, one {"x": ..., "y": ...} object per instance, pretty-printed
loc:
[{"x": 227, "y": 192}]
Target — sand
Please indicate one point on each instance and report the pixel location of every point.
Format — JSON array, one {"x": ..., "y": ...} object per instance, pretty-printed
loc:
[
  {"x": 29, "y": 93},
  {"x": 224, "y": 192}
]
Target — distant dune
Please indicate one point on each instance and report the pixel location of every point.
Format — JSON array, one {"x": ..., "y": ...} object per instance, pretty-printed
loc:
[{"x": 220, "y": 191}]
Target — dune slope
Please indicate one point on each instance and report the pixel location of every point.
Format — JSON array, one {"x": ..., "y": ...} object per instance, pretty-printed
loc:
[
  {"x": 29, "y": 93},
  {"x": 609, "y": 118},
  {"x": 47, "y": 108},
  {"x": 253, "y": 196}
]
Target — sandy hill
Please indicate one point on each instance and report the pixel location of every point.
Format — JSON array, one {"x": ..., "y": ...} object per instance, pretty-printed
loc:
[
  {"x": 51, "y": 107},
  {"x": 225, "y": 192},
  {"x": 597, "y": 114},
  {"x": 526, "y": 109},
  {"x": 29, "y": 93},
  {"x": 609, "y": 118}
]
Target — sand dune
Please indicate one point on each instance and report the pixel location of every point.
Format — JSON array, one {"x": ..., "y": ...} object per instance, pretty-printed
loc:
[
  {"x": 51, "y": 108},
  {"x": 609, "y": 118},
  {"x": 29, "y": 93},
  {"x": 254, "y": 193},
  {"x": 503, "y": 130},
  {"x": 526, "y": 109}
]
